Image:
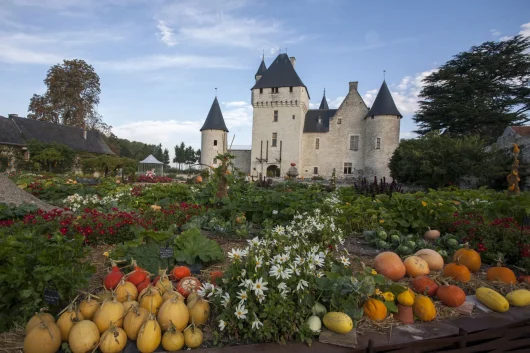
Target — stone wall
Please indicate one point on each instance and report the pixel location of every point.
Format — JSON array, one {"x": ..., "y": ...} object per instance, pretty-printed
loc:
[
  {"x": 208, "y": 150},
  {"x": 242, "y": 160},
  {"x": 10, "y": 157},
  {"x": 386, "y": 128}
]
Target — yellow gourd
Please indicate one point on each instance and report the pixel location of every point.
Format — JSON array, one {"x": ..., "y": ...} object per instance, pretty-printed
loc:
[
  {"x": 338, "y": 322},
  {"x": 519, "y": 297},
  {"x": 67, "y": 320},
  {"x": 133, "y": 321},
  {"x": 199, "y": 310},
  {"x": 172, "y": 340},
  {"x": 45, "y": 337},
  {"x": 113, "y": 340},
  {"x": 423, "y": 308},
  {"x": 84, "y": 337},
  {"x": 37, "y": 318},
  {"x": 375, "y": 309},
  {"x": 149, "y": 336},
  {"x": 406, "y": 298},
  {"x": 173, "y": 310},
  {"x": 492, "y": 299},
  {"x": 193, "y": 337},
  {"x": 126, "y": 291},
  {"x": 110, "y": 311},
  {"x": 88, "y": 307}
]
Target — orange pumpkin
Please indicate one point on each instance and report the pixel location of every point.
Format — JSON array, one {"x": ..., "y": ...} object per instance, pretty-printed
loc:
[
  {"x": 469, "y": 258},
  {"x": 423, "y": 308},
  {"x": 501, "y": 274},
  {"x": 457, "y": 272},
  {"x": 389, "y": 264},
  {"x": 424, "y": 285},
  {"x": 180, "y": 272},
  {"x": 214, "y": 275},
  {"x": 416, "y": 266},
  {"x": 452, "y": 296},
  {"x": 188, "y": 285},
  {"x": 375, "y": 309},
  {"x": 198, "y": 179}
]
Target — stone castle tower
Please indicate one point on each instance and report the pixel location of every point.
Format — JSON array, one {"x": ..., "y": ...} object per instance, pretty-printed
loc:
[{"x": 213, "y": 136}]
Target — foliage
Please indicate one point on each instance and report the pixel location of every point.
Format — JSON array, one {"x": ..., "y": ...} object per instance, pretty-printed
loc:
[
  {"x": 106, "y": 164},
  {"x": 71, "y": 97},
  {"x": 10, "y": 214},
  {"x": 154, "y": 179},
  {"x": 376, "y": 187},
  {"x": 191, "y": 246},
  {"x": 52, "y": 156},
  {"x": 513, "y": 177},
  {"x": 186, "y": 155},
  {"x": 436, "y": 160},
  {"x": 31, "y": 262},
  {"x": 480, "y": 91}
]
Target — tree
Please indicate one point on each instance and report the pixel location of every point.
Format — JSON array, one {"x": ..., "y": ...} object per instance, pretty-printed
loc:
[
  {"x": 71, "y": 97},
  {"x": 190, "y": 156},
  {"x": 166, "y": 159},
  {"x": 198, "y": 155},
  {"x": 180, "y": 154},
  {"x": 480, "y": 91},
  {"x": 436, "y": 160}
]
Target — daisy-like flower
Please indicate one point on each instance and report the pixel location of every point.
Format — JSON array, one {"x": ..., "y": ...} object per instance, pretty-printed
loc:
[
  {"x": 319, "y": 261},
  {"x": 256, "y": 324},
  {"x": 302, "y": 284},
  {"x": 206, "y": 290},
  {"x": 259, "y": 263},
  {"x": 284, "y": 293},
  {"x": 276, "y": 271},
  {"x": 254, "y": 242},
  {"x": 280, "y": 230},
  {"x": 274, "y": 212},
  {"x": 243, "y": 273},
  {"x": 344, "y": 260},
  {"x": 241, "y": 312},
  {"x": 242, "y": 295},
  {"x": 295, "y": 269},
  {"x": 283, "y": 258},
  {"x": 226, "y": 300},
  {"x": 222, "y": 325},
  {"x": 319, "y": 274},
  {"x": 389, "y": 296},
  {"x": 282, "y": 286},
  {"x": 259, "y": 286},
  {"x": 236, "y": 254},
  {"x": 218, "y": 291},
  {"x": 299, "y": 260},
  {"x": 246, "y": 283},
  {"x": 286, "y": 273},
  {"x": 261, "y": 298}
]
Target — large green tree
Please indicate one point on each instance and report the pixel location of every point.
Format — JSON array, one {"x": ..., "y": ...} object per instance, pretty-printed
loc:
[
  {"x": 71, "y": 97},
  {"x": 436, "y": 160},
  {"x": 480, "y": 91}
]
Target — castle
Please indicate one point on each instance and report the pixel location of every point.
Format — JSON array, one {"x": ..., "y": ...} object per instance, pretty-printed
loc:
[{"x": 354, "y": 140}]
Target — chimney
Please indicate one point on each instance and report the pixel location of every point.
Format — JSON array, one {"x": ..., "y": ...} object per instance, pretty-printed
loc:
[
  {"x": 12, "y": 115},
  {"x": 293, "y": 60},
  {"x": 353, "y": 86}
]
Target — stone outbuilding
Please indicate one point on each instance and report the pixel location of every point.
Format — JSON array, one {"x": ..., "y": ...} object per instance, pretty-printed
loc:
[{"x": 521, "y": 136}]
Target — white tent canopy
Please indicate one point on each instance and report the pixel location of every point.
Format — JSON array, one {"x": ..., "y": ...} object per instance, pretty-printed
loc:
[{"x": 150, "y": 165}]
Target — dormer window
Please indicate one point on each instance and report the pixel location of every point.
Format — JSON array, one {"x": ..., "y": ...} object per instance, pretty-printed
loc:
[
  {"x": 260, "y": 90},
  {"x": 339, "y": 121},
  {"x": 274, "y": 90},
  {"x": 291, "y": 89},
  {"x": 319, "y": 120}
]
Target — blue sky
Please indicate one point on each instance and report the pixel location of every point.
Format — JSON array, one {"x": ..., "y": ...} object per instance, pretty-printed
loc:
[{"x": 159, "y": 61}]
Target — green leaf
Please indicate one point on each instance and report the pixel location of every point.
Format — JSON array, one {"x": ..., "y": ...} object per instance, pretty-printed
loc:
[
  {"x": 391, "y": 307},
  {"x": 26, "y": 293},
  {"x": 192, "y": 246}
]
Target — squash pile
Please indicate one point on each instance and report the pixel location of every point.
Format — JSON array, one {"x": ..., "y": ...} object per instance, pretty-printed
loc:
[{"x": 150, "y": 313}]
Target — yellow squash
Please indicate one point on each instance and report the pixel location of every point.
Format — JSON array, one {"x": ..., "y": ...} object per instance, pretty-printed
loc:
[
  {"x": 338, "y": 322},
  {"x": 492, "y": 299},
  {"x": 519, "y": 297},
  {"x": 406, "y": 298}
]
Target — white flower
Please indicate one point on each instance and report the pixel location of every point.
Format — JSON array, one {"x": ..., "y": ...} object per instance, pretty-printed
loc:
[
  {"x": 222, "y": 325},
  {"x": 284, "y": 293},
  {"x": 226, "y": 299},
  {"x": 246, "y": 283},
  {"x": 259, "y": 286},
  {"x": 276, "y": 271},
  {"x": 320, "y": 274},
  {"x": 319, "y": 261},
  {"x": 206, "y": 290},
  {"x": 280, "y": 230},
  {"x": 243, "y": 273},
  {"x": 283, "y": 258},
  {"x": 237, "y": 254},
  {"x": 254, "y": 242},
  {"x": 256, "y": 324},
  {"x": 301, "y": 285},
  {"x": 261, "y": 298},
  {"x": 299, "y": 260},
  {"x": 241, "y": 312},
  {"x": 259, "y": 262},
  {"x": 242, "y": 295},
  {"x": 295, "y": 269},
  {"x": 345, "y": 261},
  {"x": 274, "y": 212},
  {"x": 282, "y": 286},
  {"x": 218, "y": 291}
]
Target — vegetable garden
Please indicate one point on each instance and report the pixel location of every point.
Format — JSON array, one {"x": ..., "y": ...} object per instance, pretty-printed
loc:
[{"x": 225, "y": 262}]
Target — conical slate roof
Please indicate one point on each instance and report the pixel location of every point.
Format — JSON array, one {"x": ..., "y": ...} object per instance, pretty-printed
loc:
[
  {"x": 262, "y": 68},
  {"x": 281, "y": 73},
  {"x": 151, "y": 160},
  {"x": 324, "y": 102},
  {"x": 215, "y": 120},
  {"x": 384, "y": 104}
]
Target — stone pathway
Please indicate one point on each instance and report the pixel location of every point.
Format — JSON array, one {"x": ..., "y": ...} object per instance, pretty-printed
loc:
[{"x": 12, "y": 195}]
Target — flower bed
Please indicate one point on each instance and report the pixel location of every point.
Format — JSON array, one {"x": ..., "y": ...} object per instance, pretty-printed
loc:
[{"x": 153, "y": 179}]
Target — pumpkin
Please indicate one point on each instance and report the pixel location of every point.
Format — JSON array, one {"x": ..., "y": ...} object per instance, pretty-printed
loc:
[
  {"x": 133, "y": 321},
  {"x": 172, "y": 340},
  {"x": 109, "y": 312},
  {"x": 374, "y": 309},
  {"x": 179, "y": 272},
  {"x": 199, "y": 310},
  {"x": 188, "y": 285},
  {"x": 452, "y": 296},
  {"x": 406, "y": 298},
  {"x": 423, "y": 308},
  {"x": 125, "y": 289},
  {"x": 128, "y": 304},
  {"x": 138, "y": 275},
  {"x": 45, "y": 337},
  {"x": 169, "y": 295},
  {"x": 84, "y": 337},
  {"x": 492, "y": 299},
  {"x": 337, "y": 322},
  {"x": 198, "y": 179},
  {"x": 424, "y": 285},
  {"x": 113, "y": 340},
  {"x": 164, "y": 284},
  {"x": 151, "y": 299},
  {"x": 524, "y": 279},
  {"x": 193, "y": 337},
  {"x": 143, "y": 285},
  {"x": 390, "y": 265},
  {"x": 433, "y": 259},
  {"x": 416, "y": 266},
  {"x": 519, "y": 297},
  {"x": 469, "y": 258},
  {"x": 37, "y": 318},
  {"x": 88, "y": 307},
  {"x": 67, "y": 320},
  {"x": 501, "y": 274},
  {"x": 431, "y": 234},
  {"x": 314, "y": 323},
  {"x": 149, "y": 336},
  {"x": 214, "y": 275},
  {"x": 113, "y": 278},
  {"x": 173, "y": 310},
  {"x": 457, "y": 272}
]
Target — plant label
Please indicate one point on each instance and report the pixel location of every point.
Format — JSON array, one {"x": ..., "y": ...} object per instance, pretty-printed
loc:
[
  {"x": 166, "y": 253},
  {"x": 51, "y": 297}
]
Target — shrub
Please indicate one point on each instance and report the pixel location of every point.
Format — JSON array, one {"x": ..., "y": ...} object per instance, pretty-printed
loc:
[{"x": 154, "y": 179}]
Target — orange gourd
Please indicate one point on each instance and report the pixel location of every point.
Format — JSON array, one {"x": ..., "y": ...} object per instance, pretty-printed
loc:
[
  {"x": 452, "y": 296},
  {"x": 198, "y": 179},
  {"x": 416, "y": 266},
  {"x": 424, "y": 285},
  {"x": 375, "y": 309},
  {"x": 501, "y": 274},
  {"x": 423, "y": 308},
  {"x": 469, "y": 258},
  {"x": 457, "y": 272},
  {"x": 180, "y": 272},
  {"x": 389, "y": 264}
]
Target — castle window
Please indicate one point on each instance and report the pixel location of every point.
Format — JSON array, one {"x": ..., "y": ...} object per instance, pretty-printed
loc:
[
  {"x": 274, "y": 139},
  {"x": 261, "y": 90},
  {"x": 291, "y": 89},
  {"x": 378, "y": 143},
  {"x": 215, "y": 160},
  {"x": 293, "y": 116},
  {"x": 274, "y": 90},
  {"x": 347, "y": 168},
  {"x": 315, "y": 170},
  {"x": 317, "y": 143},
  {"x": 275, "y": 116},
  {"x": 354, "y": 143},
  {"x": 215, "y": 142},
  {"x": 339, "y": 121},
  {"x": 319, "y": 120}
]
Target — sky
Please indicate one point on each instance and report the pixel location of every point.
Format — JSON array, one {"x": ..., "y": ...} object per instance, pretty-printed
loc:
[{"x": 159, "y": 61}]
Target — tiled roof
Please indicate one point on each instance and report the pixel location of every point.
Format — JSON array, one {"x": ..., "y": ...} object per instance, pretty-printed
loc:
[
  {"x": 384, "y": 104},
  {"x": 521, "y": 130},
  {"x": 317, "y": 120},
  {"x": 215, "y": 120},
  {"x": 280, "y": 73}
]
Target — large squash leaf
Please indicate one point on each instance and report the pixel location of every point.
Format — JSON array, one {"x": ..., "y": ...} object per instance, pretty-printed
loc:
[{"x": 191, "y": 246}]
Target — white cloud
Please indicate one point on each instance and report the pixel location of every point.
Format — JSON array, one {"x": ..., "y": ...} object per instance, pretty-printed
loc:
[
  {"x": 525, "y": 31},
  {"x": 235, "y": 104},
  {"x": 332, "y": 103},
  {"x": 156, "y": 62},
  {"x": 407, "y": 135},
  {"x": 495, "y": 33},
  {"x": 240, "y": 115},
  {"x": 166, "y": 33}
]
